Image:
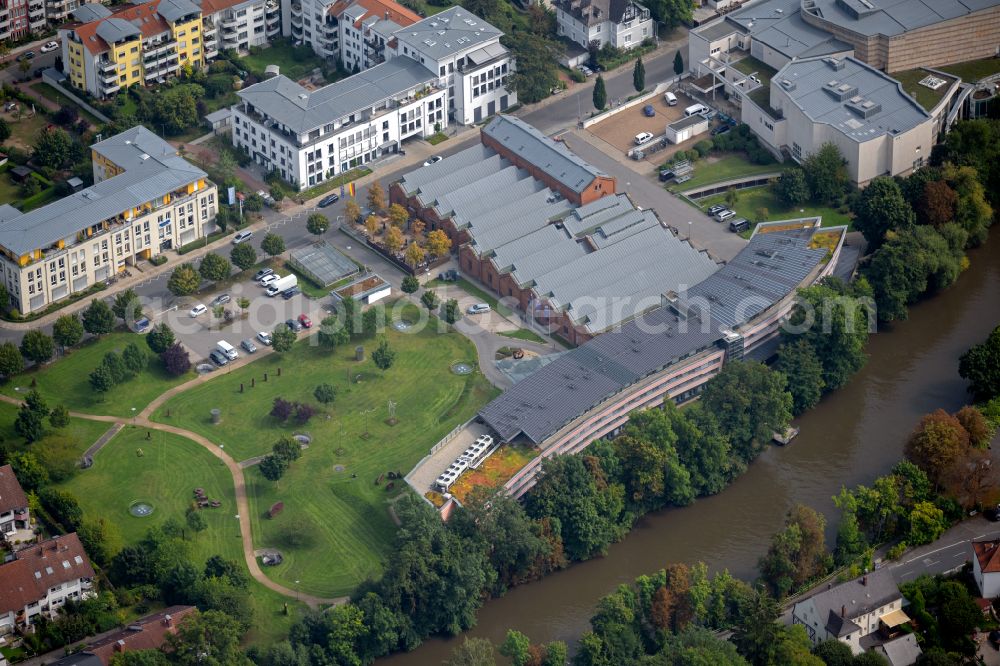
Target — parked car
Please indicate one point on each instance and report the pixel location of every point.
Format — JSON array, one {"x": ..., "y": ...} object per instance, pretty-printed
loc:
[
  {"x": 218, "y": 358},
  {"x": 586, "y": 70},
  {"x": 221, "y": 299},
  {"x": 328, "y": 200},
  {"x": 712, "y": 210},
  {"x": 666, "y": 174},
  {"x": 264, "y": 338},
  {"x": 478, "y": 308},
  {"x": 249, "y": 346},
  {"x": 721, "y": 129},
  {"x": 649, "y": 110},
  {"x": 262, "y": 273},
  {"x": 294, "y": 325},
  {"x": 242, "y": 236},
  {"x": 305, "y": 321},
  {"x": 198, "y": 310},
  {"x": 27, "y": 55},
  {"x": 724, "y": 215},
  {"x": 450, "y": 275},
  {"x": 643, "y": 137},
  {"x": 289, "y": 293},
  {"x": 49, "y": 46},
  {"x": 268, "y": 279},
  {"x": 433, "y": 160},
  {"x": 142, "y": 325}
]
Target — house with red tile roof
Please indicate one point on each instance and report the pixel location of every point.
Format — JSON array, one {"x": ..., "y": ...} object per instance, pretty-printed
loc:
[
  {"x": 15, "y": 518},
  {"x": 986, "y": 567},
  {"x": 41, "y": 578},
  {"x": 146, "y": 633}
]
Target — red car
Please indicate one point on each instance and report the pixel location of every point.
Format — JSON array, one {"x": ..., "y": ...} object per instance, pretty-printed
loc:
[{"x": 305, "y": 321}]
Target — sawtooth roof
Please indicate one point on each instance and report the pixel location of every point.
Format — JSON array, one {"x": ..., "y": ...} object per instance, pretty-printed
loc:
[
  {"x": 552, "y": 157},
  {"x": 857, "y": 100},
  {"x": 303, "y": 110}
]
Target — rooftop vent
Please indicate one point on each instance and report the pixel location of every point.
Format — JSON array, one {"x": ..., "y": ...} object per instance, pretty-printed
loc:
[
  {"x": 864, "y": 107},
  {"x": 788, "y": 84},
  {"x": 840, "y": 91},
  {"x": 835, "y": 64}
]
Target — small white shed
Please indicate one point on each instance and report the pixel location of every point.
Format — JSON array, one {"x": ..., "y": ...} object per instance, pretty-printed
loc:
[{"x": 681, "y": 130}]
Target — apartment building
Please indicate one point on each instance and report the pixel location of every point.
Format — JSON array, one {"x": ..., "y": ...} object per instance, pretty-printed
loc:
[
  {"x": 365, "y": 27},
  {"x": 145, "y": 200},
  {"x": 309, "y": 136},
  {"x": 623, "y": 24},
  {"x": 239, "y": 24},
  {"x": 105, "y": 51},
  {"x": 21, "y": 17},
  {"x": 40, "y": 579}
]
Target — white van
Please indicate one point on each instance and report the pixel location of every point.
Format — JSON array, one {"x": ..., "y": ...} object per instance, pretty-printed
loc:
[
  {"x": 670, "y": 98},
  {"x": 695, "y": 108},
  {"x": 643, "y": 137},
  {"x": 227, "y": 349}
]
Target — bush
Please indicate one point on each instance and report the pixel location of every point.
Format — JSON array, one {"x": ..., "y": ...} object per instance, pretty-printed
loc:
[
  {"x": 303, "y": 413},
  {"x": 275, "y": 509},
  {"x": 281, "y": 409},
  {"x": 704, "y": 147},
  {"x": 577, "y": 76},
  {"x": 158, "y": 260}
]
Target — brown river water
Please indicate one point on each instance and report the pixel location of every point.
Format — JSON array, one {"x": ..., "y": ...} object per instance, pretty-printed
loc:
[{"x": 851, "y": 437}]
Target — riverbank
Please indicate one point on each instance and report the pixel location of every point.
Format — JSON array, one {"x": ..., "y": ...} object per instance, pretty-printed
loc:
[{"x": 852, "y": 436}]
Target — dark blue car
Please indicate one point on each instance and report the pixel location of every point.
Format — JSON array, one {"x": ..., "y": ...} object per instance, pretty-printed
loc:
[{"x": 649, "y": 110}]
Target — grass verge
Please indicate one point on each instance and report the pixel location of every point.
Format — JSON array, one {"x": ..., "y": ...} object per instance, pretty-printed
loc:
[
  {"x": 725, "y": 167},
  {"x": 753, "y": 199},
  {"x": 484, "y": 296},
  {"x": 524, "y": 334}
]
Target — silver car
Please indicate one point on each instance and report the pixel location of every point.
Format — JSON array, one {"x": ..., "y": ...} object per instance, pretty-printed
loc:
[{"x": 249, "y": 346}]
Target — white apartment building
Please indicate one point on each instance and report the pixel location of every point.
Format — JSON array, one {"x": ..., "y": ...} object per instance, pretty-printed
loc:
[
  {"x": 239, "y": 24},
  {"x": 313, "y": 23},
  {"x": 464, "y": 51},
  {"x": 624, "y": 24},
  {"x": 40, "y": 579},
  {"x": 145, "y": 200},
  {"x": 311, "y": 136},
  {"x": 365, "y": 27}
]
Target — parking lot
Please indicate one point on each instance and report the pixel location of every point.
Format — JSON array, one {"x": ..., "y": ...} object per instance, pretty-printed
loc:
[{"x": 620, "y": 129}]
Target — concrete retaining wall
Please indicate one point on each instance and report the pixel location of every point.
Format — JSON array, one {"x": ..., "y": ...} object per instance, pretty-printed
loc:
[
  {"x": 641, "y": 99},
  {"x": 50, "y": 76}
]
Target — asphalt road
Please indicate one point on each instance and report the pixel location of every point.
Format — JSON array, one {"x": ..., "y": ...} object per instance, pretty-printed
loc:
[
  {"x": 946, "y": 554},
  {"x": 11, "y": 71}
]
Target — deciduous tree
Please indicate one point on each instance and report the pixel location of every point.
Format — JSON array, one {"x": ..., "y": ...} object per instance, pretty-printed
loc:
[
  {"x": 184, "y": 280},
  {"x": 826, "y": 174},
  {"x": 126, "y": 306},
  {"x": 938, "y": 203},
  {"x": 414, "y": 255},
  {"x": 797, "y": 360},
  {"x": 98, "y": 318},
  {"x": 410, "y": 285},
  {"x": 393, "y": 239},
  {"x": 936, "y": 444},
  {"x": 282, "y": 338},
  {"x": 383, "y": 356},
  {"x": 352, "y": 211},
  {"x": 67, "y": 331},
  {"x": 317, "y": 224},
  {"x": 214, "y": 267},
  {"x": 160, "y": 338},
  {"x": 751, "y": 403},
  {"x": 273, "y": 244},
  {"x": 438, "y": 243},
  {"x": 881, "y": 208},
  {"x": 398, "y": 216},
  {"x": 176, "y": 360},
  {"x": 37, "y": 347},
  {"x": 376, "y": 197},
  {"x": 11, "y": 360},
  {"x": 243, "y": 256},
  {"x": 980, "y": 365}
]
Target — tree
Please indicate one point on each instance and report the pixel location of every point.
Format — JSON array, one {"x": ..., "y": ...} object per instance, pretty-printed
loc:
[
  {"x": 980, "y": 365},
  {"x": 537, "y": 66},
  {"x": 678, "y": 63},
  {"x": 101, "y": 379},
  {"x": 410, "y": 285},
  {"x": 55, "y": 148},
  {"x": 372, "y": 225},
  {"x": 31, "y": 474},
  {"x": 317, "y": 224},
  {"x": 881, "y": 208},
  {"x": 516, "y": 647},
  {"x": 59, "y": 416},
  {"x": 126, "y": 306},
  {"x": 214, "y": 267},
  {"x": 927, "y": 523},
  {"x": 282, "y": 338},
  {"x": 383, "y": 356},
  {"x": 376, "y": 197},
  {"x": 429, "y": 299},
  {"x": 398, "y": 216},
  {"x": 62, "y": 506},
  {"x": 101, "y": 539},
  {"x": 414, "y": 255},
  {"x": 325, "y": 393},
  {"x": 980, "y": 431},
  {"x": 273, "y": 244},
  {"x": 937, "y": 443},
  {"x": 438, "y": 243},
  {"x": 393, "y": 239},
  {"x": 184, "y": 280},
  {"x": 472, "y": 652},
  {"x": 672, "y": 13},
  {"x": 272, "y": 467},
  {"x": 639, "y": 75},
  {"x": 834, "y": 652},
  {"x": 243, "y": 256},
  {"x": 287, "y": 449},
  {"x": 67, "y": 331},
  {"x": 797, "y": 553},
  {"x": 938, "y": 203},
  {"x": 826, "y": 174},
  {"x": 451, "y": 311},
  {"x": 116, "y": 367},
  {"x": 600, "y": 94},
  {"x": 160, "y": 338},
  {"x": 177, "y": 109},
  {"x": 281, "y": 409},
  {"x": 751, "y": 403},
  {"x": 417, "y": 227},
  {"x": 11, "y": 360},
  {"x": 196, "y": 521},
  {"x": 98, "y": 318},
  {"x": 135, "y": 359},
  {"x": 757, "y": 633},
  {"x": 176, "y": 360},
  {"x": 37, "y": 347},
  {"x": 4, "y": 130},
  {"x": 732, "y": 197},
  {"x": 29, "y": 422},
  {"x": 211, "y": 638},
  {"x": 352, "y": 211},
  {"x": 254, "y": 203}
]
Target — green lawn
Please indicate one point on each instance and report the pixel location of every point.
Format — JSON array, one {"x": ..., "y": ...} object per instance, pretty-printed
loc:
[
  {"x": 436, "y": 138},
  {"x": 50, "y": 93},
  {"x": 281, "y": 54},
  {"x": 166, "y": 475},
  {"x": 66, "y": 381},
  {"x": 308, "y": 287},
  {"x": 973, "y": 70},
  {"x": 724, "y": 167},
  {"x": 323, "y": 188},
  {"x": 10, "y": 192},
  {"x": 524, "y": 334},
  {"x": 751, "y": 200},
  {"x": 751, "y": 65},
  {"x": 347, "y": 516},
  {"x": 84, "y": 431},
  {"x": 925, "y": 96}
]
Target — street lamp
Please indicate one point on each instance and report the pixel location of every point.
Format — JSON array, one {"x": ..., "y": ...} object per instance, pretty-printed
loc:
[
  {"x": 237, "y": 525},
  {"x": 690, "y": 227}
]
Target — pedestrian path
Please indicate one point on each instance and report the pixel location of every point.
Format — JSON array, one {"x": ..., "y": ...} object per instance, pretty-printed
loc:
[{"x": 102, "y": 440}]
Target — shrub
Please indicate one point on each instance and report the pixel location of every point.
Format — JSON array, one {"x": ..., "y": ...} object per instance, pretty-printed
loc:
[
  {"x": 304, "y": 412},
  {"x": 176, "y": 360},
  {"x": 281, "y": 409},
  {"x": 275, "y": 509},
  {"x": 704, "y": 147},
  {"x": 429, "y": 299},
  {"x": 158, "y": 260}
]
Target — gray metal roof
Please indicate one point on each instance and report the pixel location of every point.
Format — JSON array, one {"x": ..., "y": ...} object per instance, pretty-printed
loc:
[
  {"x": 140, "y": 183},
  {"x": 90, "y": 12},
  {"x": 303, "y": 110},
  {"x": 555, "y": 395},
  {"x": 216, "y": 116},
  {"x": 172, "y": 10},
  {"x": 448, "y": 33},
  {"x": 690, "y": 121},
  {"x": 325, "y": 262},
  {"x": 468, "y": 200},
  {"x": 516, "y": 219},
  {"x": 902, "y": 651},
  {"x": 718, "y": 29},
  {"x": 114, "y": 30},
  {"x": 550, "y": 156},
  {"x": 128, "y": 149},
  {"x": 839, "y": 604},
  {"x": 894, "y": 17},
  {"x": 779, "y": 25},
  {"x": 857, "y": 100},
  {"x": 485, "y": 54},
  {"x": 453, "y": 164}
]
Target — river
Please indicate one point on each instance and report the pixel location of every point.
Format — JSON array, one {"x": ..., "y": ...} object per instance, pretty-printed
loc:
[{"x": 851, "y": 437}]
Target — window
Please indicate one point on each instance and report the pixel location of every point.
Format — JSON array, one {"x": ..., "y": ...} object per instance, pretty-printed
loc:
[{"x": 796, "y": 151}]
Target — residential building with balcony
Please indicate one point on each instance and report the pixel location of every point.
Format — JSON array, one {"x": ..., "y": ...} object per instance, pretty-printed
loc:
[
  {"x": 623, "y": 24},
  {"x": 21, "y": 17},
  {"x": 464, "y": 51},
  {"x": 105, "y": 51},
  {"x": 310, "y": 136},
  {"x": 15, "y": 518},
  {"x": 312, "y": 23},
  {"x": 364, "y": 28},
  {"x": 145, "y": 200},
  {"x": 239, "y": 24},
  {"x": 40, "y": 579}
]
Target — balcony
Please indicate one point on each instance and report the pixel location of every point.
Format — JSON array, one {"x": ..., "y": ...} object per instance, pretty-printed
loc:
[
  {"x": 229, "y": 23},
  {"x": 227, "y": 30},
  {"x": 107, "y": 66},
  {"x": 273, "y": 30},
  {"x": 155, "y": 50},
  {"x": 272, "y": 8}
]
